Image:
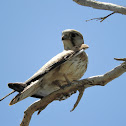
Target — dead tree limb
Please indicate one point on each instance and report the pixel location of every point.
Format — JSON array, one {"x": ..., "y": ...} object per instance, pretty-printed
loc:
[
  {"x": 100, "y": 80},
  {"x": 102, "y": 5}
]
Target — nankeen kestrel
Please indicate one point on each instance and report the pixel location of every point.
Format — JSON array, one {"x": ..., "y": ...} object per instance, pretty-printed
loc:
[{"x": 71, "y": 64}]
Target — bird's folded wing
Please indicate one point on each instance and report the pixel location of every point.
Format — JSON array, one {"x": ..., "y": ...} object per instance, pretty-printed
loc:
[
  {"x": 28, "y": 91},
  {"x": 33, "y": 82},
  {"x": 53, "y": 63}
]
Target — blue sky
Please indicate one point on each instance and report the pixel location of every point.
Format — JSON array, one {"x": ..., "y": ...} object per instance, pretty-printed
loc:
[{"x": 30, "y": 35}]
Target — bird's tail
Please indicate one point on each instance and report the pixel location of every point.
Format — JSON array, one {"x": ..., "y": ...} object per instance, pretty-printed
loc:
[
  {"x": 28, "y": 91},
  {"x": 16, "y": 87}
]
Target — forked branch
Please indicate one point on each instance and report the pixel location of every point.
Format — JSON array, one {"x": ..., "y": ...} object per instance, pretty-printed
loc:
[
  {"x": 101, "y": 80},
  {"x": 101, "y": 19}
]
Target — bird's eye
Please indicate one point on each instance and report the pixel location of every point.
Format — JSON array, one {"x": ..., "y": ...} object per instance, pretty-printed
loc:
[{"x": 73, "y": 35}]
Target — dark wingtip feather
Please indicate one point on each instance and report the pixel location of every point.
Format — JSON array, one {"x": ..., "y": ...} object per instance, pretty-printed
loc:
[{"x": 17, "y": 86}]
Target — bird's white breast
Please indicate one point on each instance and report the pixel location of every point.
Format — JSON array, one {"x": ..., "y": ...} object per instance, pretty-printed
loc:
[{"x": 76, "y": 67}]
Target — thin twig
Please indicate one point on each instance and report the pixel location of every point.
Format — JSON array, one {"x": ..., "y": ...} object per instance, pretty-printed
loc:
[
  {"x": 101, "y": 18},
  {"x": 7, "y": 95},
  {"x": 120, "y": 59}
]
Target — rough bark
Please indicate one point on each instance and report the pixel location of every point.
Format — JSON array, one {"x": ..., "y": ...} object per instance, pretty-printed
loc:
[
  {"x": 102, "y": 5},
  {"x": 100, "y": 80}
]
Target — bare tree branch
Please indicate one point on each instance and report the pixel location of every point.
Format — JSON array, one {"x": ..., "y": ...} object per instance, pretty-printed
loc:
[
  {"x": 101, "y": 80},
  {"x": 102, "y": 5}
]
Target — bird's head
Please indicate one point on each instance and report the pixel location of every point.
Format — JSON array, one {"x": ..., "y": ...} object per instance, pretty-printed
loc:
[{"x": 71, "y": 38}]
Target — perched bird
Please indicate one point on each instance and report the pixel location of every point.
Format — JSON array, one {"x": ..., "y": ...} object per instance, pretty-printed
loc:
[{"x": 67, "y": 66}]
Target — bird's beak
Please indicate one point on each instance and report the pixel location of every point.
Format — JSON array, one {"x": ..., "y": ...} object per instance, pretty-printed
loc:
[{"x": 84, "y": 46}]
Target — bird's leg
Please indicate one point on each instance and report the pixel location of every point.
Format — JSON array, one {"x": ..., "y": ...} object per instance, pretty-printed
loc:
[
  {"x": 64, "y": 95},
  {"x": 67, "y": 80},
  {"x": 57, "y": 83}
]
